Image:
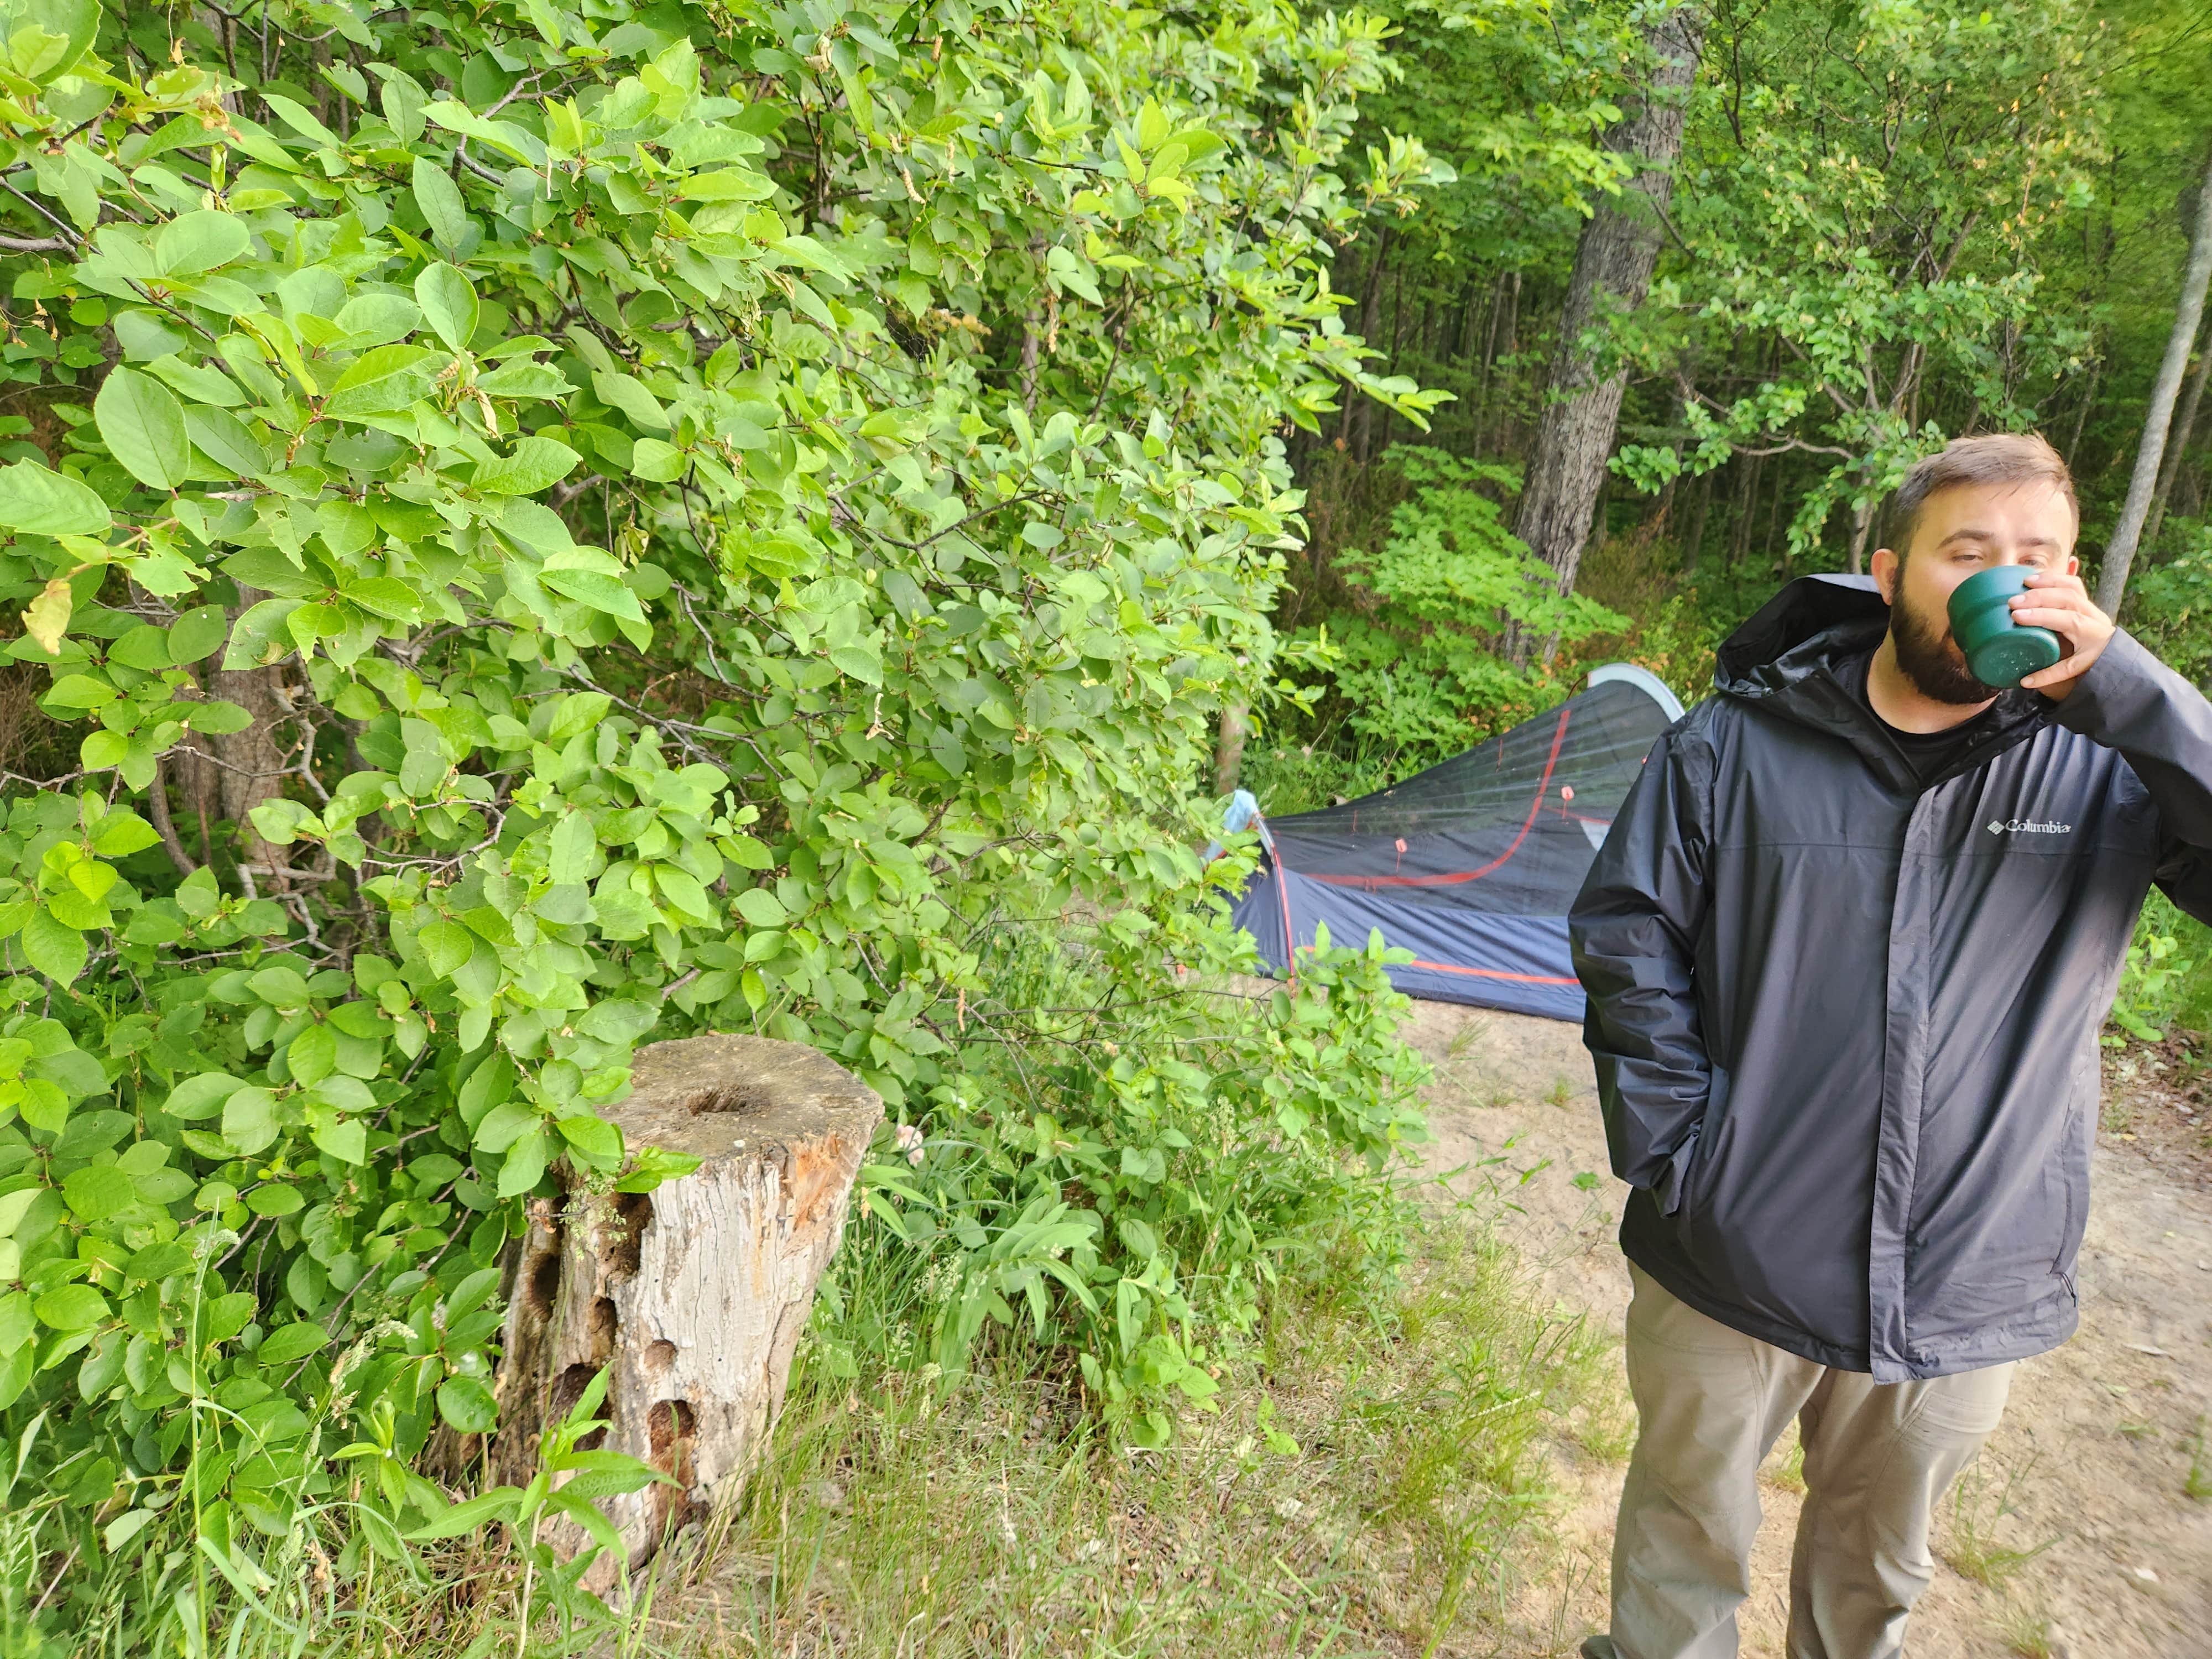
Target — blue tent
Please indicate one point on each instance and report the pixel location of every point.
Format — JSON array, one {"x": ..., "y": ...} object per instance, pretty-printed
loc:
[{"x": 1470, "y": 864}]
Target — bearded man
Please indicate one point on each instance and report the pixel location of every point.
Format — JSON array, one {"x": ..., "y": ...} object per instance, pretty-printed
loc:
[{"x": 1848, "y": 947}]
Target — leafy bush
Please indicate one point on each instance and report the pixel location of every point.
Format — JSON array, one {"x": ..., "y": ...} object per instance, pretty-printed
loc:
[
  {"x": 570, "y": 525},
  {"x": 2167, "y": 981},
  {"x": 1419, "y": 670},
  {"x": 1138, "y": 1150},
  {"x": 2169, "y": 603}
]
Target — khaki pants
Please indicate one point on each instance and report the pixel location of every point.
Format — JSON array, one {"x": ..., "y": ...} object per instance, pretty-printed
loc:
[{"x": 1710, "y": 1403}]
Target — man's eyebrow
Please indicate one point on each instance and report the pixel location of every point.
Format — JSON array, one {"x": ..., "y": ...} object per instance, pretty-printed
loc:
[{"x": 1971, "y": 533}]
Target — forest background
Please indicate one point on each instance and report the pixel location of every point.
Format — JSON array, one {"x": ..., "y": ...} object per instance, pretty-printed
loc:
[{"x": 539, "y": 531}]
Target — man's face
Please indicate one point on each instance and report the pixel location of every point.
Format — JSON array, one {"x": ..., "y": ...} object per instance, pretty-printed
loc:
[{"x": 1964, "y": 529}]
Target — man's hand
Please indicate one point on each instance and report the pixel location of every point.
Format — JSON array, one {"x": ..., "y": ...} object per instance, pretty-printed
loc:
[{"x": 2057, "y": 600}]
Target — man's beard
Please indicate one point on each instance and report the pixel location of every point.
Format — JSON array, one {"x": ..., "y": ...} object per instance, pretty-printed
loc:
[{"x": 1931, "y": 659}]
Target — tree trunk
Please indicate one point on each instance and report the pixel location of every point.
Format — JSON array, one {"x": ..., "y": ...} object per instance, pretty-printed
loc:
[
  {"x": 1695, "y": 540},
  {"x": 2082, "y": 415},
  {"x": 2177, "y": 452},
  {"x": 248, "y": 764},
  {"x": 2120, "y": 552},
  {"x": 1358, "y": 407},
  {"x": 1861, "y": 523},
  {"x": 1228, "y": 750},
  {"x": 1747, "y": 504},
  {"x": 694, "y": 1294},
  {"x": 1613, "y": 268}
]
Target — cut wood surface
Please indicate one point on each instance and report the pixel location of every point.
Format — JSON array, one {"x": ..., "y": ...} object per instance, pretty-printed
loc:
[{"x": 693, "y": 1294}]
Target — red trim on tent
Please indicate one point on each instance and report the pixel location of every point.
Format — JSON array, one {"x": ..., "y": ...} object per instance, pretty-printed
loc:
[
  {"x": 1453, "y": 878},
  {"x": 1494, "y": 973}
]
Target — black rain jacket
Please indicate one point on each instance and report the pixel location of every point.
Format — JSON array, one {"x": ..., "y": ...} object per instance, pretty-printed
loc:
[{"x": 1845, "y": 1024}]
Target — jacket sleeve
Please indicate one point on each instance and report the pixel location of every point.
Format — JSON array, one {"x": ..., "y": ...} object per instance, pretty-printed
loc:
[
  {"x": 2161, "y": 726},
  {"x": 1634, "y": 928}
]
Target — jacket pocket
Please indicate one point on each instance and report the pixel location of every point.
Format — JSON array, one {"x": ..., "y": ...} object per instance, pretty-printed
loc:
[{"x": 1698, "y": 1154}]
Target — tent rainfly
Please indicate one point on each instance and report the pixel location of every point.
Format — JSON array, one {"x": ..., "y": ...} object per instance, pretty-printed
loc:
[{"x": 1471, "y": 865}]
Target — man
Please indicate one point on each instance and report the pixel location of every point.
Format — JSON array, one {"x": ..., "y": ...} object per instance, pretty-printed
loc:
[{"x": 1848, "y": 948}]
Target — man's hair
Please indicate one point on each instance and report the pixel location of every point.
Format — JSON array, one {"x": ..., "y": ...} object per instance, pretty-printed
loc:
[{"x": 1995, "y": 457}]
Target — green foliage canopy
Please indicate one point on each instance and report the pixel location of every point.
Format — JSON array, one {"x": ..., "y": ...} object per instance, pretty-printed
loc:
[{"x": 654, "y": 519}]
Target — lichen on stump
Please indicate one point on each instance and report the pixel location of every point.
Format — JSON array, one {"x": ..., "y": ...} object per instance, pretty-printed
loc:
[{"x": 693, "y": 1294}]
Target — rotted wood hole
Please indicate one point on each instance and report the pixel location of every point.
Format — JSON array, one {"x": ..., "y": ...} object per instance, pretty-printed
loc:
[{"x": 692, "y": 1297}]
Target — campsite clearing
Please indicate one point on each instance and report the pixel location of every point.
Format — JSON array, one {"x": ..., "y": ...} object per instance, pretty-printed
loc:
[{"x": 2084, "y": 1529}]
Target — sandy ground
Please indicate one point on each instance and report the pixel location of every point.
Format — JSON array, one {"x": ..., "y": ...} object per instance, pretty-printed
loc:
[{"x": 2074, "y": 1534}]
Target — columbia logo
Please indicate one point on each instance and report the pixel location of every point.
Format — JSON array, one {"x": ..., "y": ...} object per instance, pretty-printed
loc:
[{"x": 2027, "y": 827}]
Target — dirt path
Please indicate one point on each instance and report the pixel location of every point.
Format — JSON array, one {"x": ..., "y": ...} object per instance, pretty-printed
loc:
[{"x": 2075, "y": 1534}]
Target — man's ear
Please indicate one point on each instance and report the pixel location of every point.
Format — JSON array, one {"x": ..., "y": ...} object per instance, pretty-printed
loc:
[
  {"x": 2073, "y": 565},
  {"x": 1887, "y": 565}
]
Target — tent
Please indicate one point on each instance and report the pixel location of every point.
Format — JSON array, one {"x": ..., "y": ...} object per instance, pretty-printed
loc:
[{"x": 1471, "y": 865}]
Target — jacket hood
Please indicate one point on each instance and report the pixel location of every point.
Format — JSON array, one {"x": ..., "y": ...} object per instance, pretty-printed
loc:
[
  {"x": 1839, "y": 617},
  {"x": 1791, "y": 655}
]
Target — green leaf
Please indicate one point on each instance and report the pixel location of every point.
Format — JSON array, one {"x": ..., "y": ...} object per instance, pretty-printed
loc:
[
  {"x": 312, "y": 1056},
  {"x": 597, "y": 589},
  {"x": 36, "y": 500},
  {"x": 347, "y": 1140},
  {"x": 498, "y": 1504},
  {"x": 77, "y": 691},
  {"x": 72, "y": 1308},
  {"x": 289, "y": 1344},
  {"x": 629, "y": 394},
  {"x": 505, "y": 1124},
  {"x": 594, "y": 1137},
  {"x": 657, "y": 462},
  {"x": 524, "y": 1165},
  {"x": 226, "y": 440},
  {"x": 537, "y": 464},
  {"x": 144, "y": 426},
  {"x": 761, "y": 908},
  {"x": 201, "y": 1096},
  {"x": 194, "y": 242},
  {"x": 122, "y": 833},
  {"x": 374, "y": 319},
  {"x": 384, "y": 597},
  {"x": 728, "y": 185},
  {"x": 53, "y": 950},
  {"x": 569, "y": 852},
  {"x": 198, "y": 634},
  {"x": 98, "y": 1191},
  {"x": 274, "y": 1199},
  {"x": 13, "y": 1206},
  {"x": 214, "y": 715},
  {"x": 281, "y": 822},
  {"x": 449, "y": 301},
  {"x": 443, "y": 211},
  {"x": 249, "y": 1120},
  {"x": 382, "y": 381},
  {"x": 445, "y": 946},
  {"x": 467, "y": 1406}
]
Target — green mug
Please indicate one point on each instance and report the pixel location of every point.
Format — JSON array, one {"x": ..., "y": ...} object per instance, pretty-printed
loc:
[{"x": 2000, "y": 652}]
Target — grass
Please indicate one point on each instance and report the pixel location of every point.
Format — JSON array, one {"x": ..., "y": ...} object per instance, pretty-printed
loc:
[
  {"x": 1377, "y": 1484},
  {"x": 1785, "y": 1468},
  {"x": 2196, "y": 1485},
  {"x": 2024, "y": 1629},
  {"x": 1302, "y": 777},
  {"x": 1978, "y": 1510}
]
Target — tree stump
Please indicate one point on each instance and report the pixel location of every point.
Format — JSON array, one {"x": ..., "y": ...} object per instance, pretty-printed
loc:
[{"x": 693, "y": 1294}]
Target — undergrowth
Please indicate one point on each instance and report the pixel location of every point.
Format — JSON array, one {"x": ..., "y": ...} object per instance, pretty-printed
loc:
[{"x": 1376, "y": 1476}]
